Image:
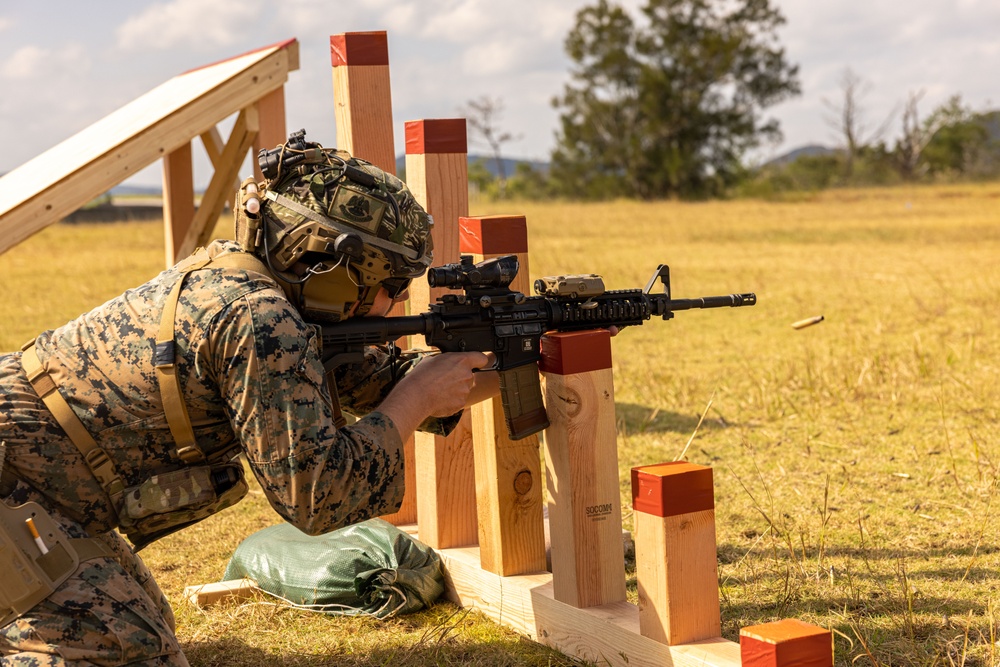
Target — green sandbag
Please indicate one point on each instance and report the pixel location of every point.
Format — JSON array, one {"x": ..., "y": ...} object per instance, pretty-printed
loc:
[{"x": 368, "y": 568}]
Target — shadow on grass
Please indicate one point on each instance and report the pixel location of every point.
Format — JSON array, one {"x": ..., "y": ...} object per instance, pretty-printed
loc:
[{"x": 636, "y": 418}]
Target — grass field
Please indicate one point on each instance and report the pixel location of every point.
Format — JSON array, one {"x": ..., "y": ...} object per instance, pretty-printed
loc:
[{"x": 856, "y": 461}]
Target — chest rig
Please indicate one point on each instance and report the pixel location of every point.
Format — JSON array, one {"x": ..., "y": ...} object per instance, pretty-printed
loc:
[{"x": 163, "y": 503}]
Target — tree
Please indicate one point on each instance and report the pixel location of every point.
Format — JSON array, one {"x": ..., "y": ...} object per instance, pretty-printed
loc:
[
  {"x": 483, "y": 115},
  {"x": 915, "y": 137},
  {"x": 669, "y": 107},
  {"x": 850, "y": 122},
  {"x": 960, "y": 141}
]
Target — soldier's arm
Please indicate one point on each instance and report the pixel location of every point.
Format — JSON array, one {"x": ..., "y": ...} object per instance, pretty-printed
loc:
[{"x": 266, "y": 361}]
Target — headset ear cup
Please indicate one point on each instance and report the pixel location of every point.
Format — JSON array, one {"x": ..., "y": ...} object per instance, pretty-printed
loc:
[{"x": 349, "y": 245}]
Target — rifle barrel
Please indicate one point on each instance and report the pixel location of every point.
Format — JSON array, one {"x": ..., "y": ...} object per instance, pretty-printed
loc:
[{"x": 730, "y": 300}]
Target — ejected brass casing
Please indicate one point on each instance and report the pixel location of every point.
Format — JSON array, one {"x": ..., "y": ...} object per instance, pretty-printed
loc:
[{"x": 808, "y": 322}]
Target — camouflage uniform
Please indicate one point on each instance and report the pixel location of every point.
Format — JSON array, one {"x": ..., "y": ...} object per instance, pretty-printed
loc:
[{"x": 252, "y": 375}]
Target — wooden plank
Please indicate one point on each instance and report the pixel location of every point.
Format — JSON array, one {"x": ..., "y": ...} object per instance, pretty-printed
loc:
[
  {"x": 215, "y": 196},
  {"x": 67, "y": 176},
  {"x": 675, "y": 552},
  {"x": 272, "y": 132},
  {"x": 363, "y": 113},
  {"x": 362, "y": 97},
  {"x": 786, "y": 643},
  {"x": 178, "y": 199},
  {"x": 219, "y": 591},
  {"x": 214, "y": 145},
  {"x": 605, "y": 635},
  {"x": 508, "y": 472},
  {"x": 581, "y": 459},
  {"x": 446, "y": 504}
]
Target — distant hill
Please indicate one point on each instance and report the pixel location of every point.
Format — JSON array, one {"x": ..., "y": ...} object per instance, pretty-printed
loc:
[
  {"x": 509, "y": 164},
  {"x": 803, "y": 151}
]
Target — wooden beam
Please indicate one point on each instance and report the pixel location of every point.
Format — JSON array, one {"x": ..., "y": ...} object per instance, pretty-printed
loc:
[
  {"x": 96, "y": 159},
  {"x": 508, "y": 472},
  {"x": 216, "y": 592},
  {"x": 675, "y": 553},
  {"x": 178, "y": 199},
  {"x": 362, "y": 97},
  {"x": 273, "y": 131},
  {"x": 446, "y": 504},
  {"x": 581, "y": 459},
  {"x": 212, "y": 141},
  {"x": 363, "y": 112},
  {"x": 214, "y": 198}
]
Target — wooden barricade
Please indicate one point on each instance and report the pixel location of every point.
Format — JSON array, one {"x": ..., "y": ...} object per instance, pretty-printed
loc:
[
  {"x": 508, "y": 472},
  {"x": 437, "y": 174},
  {"x": 580, "y": 608},
  {"x": 581, "y": 459}
]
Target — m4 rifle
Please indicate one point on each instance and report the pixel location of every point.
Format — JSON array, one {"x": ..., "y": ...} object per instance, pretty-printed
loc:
[{"x": 490, "y": 317}]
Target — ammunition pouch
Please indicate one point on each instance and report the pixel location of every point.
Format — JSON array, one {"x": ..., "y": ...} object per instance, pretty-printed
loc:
[
  {"x": 168, "y": 502},
  {"x": 29, "y": 575}
]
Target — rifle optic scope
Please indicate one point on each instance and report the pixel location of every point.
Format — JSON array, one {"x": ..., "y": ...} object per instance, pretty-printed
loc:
[{"x": 496, "y": 272}]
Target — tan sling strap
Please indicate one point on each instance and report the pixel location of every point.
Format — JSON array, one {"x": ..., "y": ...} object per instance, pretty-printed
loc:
[
  {"x": 165, "y": 361},
  {"x": 97, "y": 459},
  {"x": 174, "y": 407}
]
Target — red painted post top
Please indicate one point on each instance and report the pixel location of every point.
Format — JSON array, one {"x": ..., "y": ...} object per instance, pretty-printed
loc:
[
  {"x": 670, "y": 489},
  {"x": 493, "y": 234},
  {"x": 565, "y": 353},
  {"x": 359, "y": 48},
  {"x": 787, "y": 643},
  {"x": 436, "y": 135}
]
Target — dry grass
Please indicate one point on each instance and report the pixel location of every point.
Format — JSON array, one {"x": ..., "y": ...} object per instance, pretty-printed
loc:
[{"x": 856, "y": 461}]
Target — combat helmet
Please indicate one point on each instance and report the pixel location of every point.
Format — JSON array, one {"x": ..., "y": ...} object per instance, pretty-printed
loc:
[{"x": 332, "y": 228}]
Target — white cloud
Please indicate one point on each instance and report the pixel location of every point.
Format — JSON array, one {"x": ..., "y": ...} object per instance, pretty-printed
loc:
[
  {"x": 34, "y": 62},
  {"x": 198, "y": 24},
  {"x": 5, "y": 23}
]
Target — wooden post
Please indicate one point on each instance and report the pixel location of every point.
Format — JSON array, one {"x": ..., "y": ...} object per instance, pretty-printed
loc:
[
  {"x": 178, "y": 200},
  {"x": 362, "y": 99},
  {"x": 675, "y": 552},
  {"x": 508, "y": 472},
  {"x": 787, "y": 643},
  {"x": 363, "y": 112},
  {"x": 272, "y": 132},
  {"x": 437, "y": 174},
  {"x": 581, "y": 458}
]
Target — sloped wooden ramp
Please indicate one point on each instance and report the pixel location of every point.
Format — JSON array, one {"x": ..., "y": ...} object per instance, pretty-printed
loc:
[{"x": 160, "y": 124}]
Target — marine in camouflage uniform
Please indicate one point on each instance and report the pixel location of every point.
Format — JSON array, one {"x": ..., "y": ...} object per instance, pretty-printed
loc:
[{"x": 252, "y": 378}]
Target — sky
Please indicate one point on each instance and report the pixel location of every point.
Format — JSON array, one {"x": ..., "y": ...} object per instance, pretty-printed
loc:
[{"x": 64, "y": 65}]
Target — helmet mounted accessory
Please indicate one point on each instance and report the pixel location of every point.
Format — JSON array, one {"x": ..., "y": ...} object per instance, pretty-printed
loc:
[{"x": 333, "y": 229}]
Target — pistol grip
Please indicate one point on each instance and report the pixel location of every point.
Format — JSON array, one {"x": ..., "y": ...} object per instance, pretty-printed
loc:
[{"x": 521, "y": 395}]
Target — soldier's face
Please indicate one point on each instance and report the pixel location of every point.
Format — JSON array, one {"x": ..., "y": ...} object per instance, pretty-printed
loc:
[{"x": 383, "y": 302}]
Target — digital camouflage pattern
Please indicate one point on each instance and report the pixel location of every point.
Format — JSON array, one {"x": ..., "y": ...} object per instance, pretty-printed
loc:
[{"x": 252, "y": 377}]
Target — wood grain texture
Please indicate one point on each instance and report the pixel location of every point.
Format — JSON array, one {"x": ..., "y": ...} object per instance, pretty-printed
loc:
[
  {"x": 178, "y": 200},
  {"x": 585, "y": 520},
  {"x": 508, "y": 472},
  {"x": 363, "y": 113},
  {"x": 606, "y": 634},
  {"x": 446, "y": 503},
  {"x": 677, "y": 575}
]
